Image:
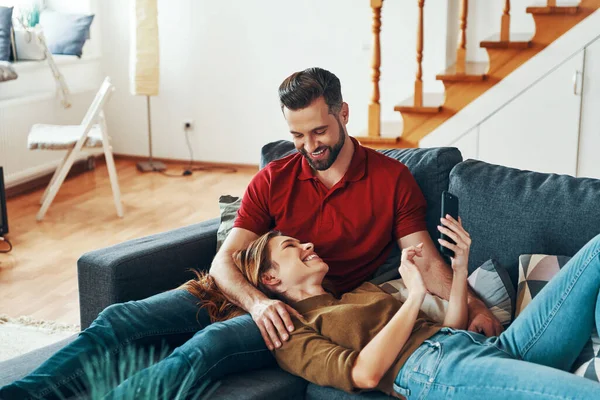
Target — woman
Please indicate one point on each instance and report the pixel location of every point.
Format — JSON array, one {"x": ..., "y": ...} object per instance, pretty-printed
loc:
[{"x": 369, "y": 340}]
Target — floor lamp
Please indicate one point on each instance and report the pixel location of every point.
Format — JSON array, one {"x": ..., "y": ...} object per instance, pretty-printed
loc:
[{"x": 144, "y": 63}]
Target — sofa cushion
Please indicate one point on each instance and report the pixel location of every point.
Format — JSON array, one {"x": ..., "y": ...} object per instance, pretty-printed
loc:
[
  {"x": 316, "y": 392},
  {"x": 510, "y": 212},
  {"x": 535, "y": 271},
  {"x": 228, "y": 208},
  {"x": 490, "y": 282},
  {"x": 272, "y": 383},
  {"x": 430, "y": 167}
]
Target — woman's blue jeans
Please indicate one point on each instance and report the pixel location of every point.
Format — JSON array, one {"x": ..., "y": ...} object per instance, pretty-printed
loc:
[
  {"x": 530, "y": 359},
  {"x": 170, "y": 323}
]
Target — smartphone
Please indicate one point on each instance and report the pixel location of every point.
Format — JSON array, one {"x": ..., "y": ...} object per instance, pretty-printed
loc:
[{"x": 449, "y": 206}]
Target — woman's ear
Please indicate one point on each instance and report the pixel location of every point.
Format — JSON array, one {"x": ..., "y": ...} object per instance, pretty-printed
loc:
[{"x": 269, "y": 279}]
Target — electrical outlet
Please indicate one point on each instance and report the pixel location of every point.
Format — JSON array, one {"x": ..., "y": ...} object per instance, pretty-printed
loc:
[{"x": 188, "y": 125}]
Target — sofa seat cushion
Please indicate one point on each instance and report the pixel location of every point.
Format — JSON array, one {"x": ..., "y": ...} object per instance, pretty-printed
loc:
[
  {"x": 316, "y": 392},
  {"x": 271, "y": 383}
]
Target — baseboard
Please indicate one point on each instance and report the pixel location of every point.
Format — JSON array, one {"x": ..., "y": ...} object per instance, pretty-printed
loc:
[
  {"x": 206, "y": 164},
  {"x": 40, "y": 182}
]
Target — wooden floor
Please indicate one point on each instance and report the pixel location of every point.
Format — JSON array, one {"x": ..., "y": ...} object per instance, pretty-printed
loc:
[{"x": 39, "y": 277}]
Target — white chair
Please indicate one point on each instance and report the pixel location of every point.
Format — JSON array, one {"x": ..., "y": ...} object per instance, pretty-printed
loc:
[{"x": 73, "y": 138}]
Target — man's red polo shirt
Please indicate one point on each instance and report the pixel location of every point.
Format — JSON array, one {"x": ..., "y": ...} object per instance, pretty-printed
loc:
[{"x": 352, "y": 225}]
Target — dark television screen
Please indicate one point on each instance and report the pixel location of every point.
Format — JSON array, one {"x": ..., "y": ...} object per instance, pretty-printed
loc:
[{"x": 3, "y": 216}]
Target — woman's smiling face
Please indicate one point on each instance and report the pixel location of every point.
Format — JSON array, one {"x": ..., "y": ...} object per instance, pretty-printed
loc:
[{"x": 294, "y": 263}]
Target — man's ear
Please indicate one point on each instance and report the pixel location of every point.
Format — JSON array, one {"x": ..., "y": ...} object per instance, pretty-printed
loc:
[
  {"x": 345, "y": 112},
  {"x": 269, "y": 279}
]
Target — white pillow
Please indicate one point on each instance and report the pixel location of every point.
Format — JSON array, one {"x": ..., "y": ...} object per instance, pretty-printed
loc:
[{"x": 28, "y": 46}]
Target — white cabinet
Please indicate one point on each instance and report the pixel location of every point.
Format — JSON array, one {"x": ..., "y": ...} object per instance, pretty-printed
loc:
[
  {"x": 539, "y": 129},
  {"x": 589, "y": 139}
]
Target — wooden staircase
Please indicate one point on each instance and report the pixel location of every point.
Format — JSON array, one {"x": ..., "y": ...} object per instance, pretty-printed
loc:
[{"x": 465, "y": 81}]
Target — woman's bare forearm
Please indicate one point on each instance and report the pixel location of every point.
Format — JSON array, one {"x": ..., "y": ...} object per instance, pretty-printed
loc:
[
  {"x": 376, "y": 358},
  {"x": 457, "y": 315}
]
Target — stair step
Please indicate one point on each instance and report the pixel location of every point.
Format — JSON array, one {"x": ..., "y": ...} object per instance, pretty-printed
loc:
[
  {"x": 561, "y": 10},
  {"x": 516, "y": 41},
  {"x": 432, "y": 103},
  {"x": 474, "y": 71},
  {"x": 373, "y": 141}
]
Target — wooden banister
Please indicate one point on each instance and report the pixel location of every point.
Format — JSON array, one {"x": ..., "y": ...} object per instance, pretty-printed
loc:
[
  {"x": 374, "y": 106},
  {"x": 551, "y": 3},
  {"x": 505, "y": 23},
  {"x": 461, "y": 53},
  {"x": 419, "y": 79}
]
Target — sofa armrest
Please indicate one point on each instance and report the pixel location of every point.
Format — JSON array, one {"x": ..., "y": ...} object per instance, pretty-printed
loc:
[{"x": 143, "y": 267}]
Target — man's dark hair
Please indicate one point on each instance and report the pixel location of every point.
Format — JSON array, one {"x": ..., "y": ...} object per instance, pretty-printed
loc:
[{"x": 302, "y": 88}]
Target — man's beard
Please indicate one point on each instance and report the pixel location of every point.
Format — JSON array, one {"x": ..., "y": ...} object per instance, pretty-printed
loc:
[{"x": 322, "y": 165}]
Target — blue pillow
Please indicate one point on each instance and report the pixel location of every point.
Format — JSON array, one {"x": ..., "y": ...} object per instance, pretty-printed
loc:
[
  {"x": 65, "y": 33},
  {"x": 5, "y": 30}
]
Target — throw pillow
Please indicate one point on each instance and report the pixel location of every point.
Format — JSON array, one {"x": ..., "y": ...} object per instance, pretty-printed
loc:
[
  {"x": 228, "y": 206},
  {"x": 28, "y": 46},
  {"x": 5, "y": 32},
  {"x": 535, "y": 271},
  {"x": 65, "y": 33},
  {"x": 7, "y": 72},
  {"x": 490, "y": 282}
]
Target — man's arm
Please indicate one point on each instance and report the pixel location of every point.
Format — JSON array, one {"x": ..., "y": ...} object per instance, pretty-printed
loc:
[
  {"x": 438, "y": 279},
  {"x": 228, "y": 277},
  {"x": 271, "y": 316}
]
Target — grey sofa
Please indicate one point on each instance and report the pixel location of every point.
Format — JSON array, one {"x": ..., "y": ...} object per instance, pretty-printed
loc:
[{"x": 508, "y": 212}]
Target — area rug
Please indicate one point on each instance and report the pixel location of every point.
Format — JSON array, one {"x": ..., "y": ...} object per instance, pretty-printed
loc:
[{"x": 24, "y": 334}]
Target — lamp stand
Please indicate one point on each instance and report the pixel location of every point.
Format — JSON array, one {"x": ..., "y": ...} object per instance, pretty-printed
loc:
[{"x": 150, "y": 165}]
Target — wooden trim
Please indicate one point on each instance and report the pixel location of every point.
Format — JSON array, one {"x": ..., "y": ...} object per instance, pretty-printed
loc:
[
  {"x": 369, "y": 140},
  {"x": 432, "y": 103},
  {"x": 515, "y": 41},
  {"x": 374, "y": 106},
  {"x": 78, "y": 168},
  {"x": 472, "y": 72},
  {"x": 505, "y": 22},
  {"x": 185, "y": 162},
  {"x": 461, "y": 52},
  {"x": 552, "y": 10},
  {"x": 418, "y": 98}
]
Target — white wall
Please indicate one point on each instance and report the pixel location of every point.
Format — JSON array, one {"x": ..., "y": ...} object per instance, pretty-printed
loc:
[{"x": 222, "y": 62}]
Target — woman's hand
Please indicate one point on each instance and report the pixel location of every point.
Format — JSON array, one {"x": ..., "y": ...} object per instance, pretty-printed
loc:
[
  {"x": 410, "y": 272},
  {"x": 455, "y": 230}
]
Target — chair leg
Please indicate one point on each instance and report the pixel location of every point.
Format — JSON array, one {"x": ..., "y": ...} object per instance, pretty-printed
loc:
[
  {"x": 60, "y": 178},
  {"x": 110, "y": 165},
  {"x": 56, "y": 172}
]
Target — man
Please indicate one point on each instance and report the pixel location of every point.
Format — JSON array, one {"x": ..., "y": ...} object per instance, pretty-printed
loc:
[
  {"x": 317, "y": 193},
  {"x": 350, "y": 201}
]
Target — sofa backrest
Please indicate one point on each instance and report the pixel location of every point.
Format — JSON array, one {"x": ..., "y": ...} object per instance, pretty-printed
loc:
[
  {"x": 510, "y": 212},
  {"x": 430, "y": 167}
]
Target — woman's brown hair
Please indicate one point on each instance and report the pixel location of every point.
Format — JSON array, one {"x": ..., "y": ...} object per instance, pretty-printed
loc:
[{"x": 252, "y": 263}]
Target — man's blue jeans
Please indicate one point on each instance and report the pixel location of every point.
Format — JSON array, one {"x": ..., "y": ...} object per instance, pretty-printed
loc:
[
  {"x": 171, "y": 320},
  {"x": 527, "y": 361}
]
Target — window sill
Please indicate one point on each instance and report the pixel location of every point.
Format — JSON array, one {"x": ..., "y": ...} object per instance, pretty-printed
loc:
[{"x": 36, "y": 83}]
